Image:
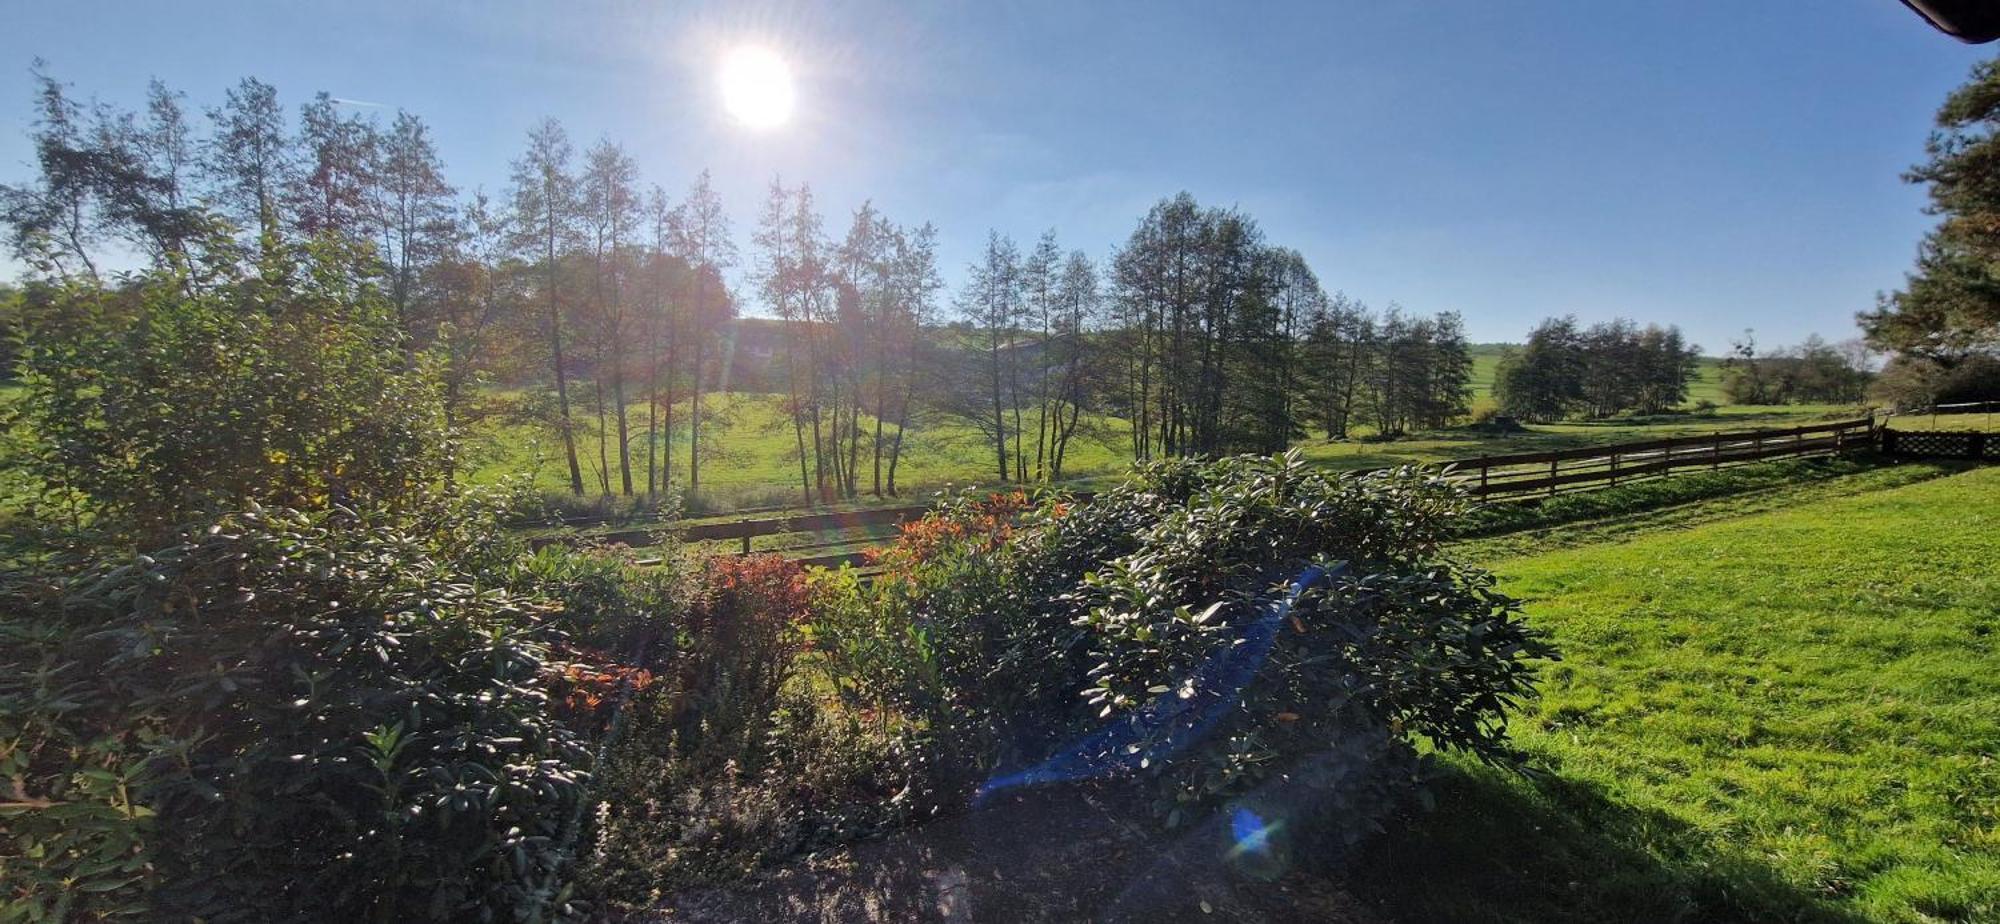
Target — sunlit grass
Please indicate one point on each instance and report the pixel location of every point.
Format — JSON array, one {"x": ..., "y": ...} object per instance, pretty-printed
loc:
[
  {"x": 1983, "y": 422},
  {"x": 1468, "y": 442},
  {"x": 1791, "y": 715},
  {"x": 751, "y": 457},
  {"x": 752, "y": 452}
]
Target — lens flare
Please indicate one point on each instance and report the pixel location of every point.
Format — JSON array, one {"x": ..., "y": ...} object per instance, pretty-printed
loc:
[{"x": 1178, "y": 718}]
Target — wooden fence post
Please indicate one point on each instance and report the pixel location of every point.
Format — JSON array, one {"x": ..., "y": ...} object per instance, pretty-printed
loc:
[
  {"x": 1614, "y": 470},
  {"x": 1715, "y": 451},
  {"x": 1552, "y": 477}
]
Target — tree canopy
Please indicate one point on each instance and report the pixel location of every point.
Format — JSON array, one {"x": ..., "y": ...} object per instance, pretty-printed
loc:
[{"x": 1947, "y": 315}]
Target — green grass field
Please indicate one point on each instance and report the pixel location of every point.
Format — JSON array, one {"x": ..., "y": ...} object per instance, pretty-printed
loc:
[
  {"x": 1467, "y": 442},
  {"x": 1792, "y": 715},
  {"x": 752, "y": 456}
]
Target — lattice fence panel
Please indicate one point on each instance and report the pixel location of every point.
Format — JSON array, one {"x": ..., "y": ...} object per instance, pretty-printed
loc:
[{"x": 1942, "y": 444}]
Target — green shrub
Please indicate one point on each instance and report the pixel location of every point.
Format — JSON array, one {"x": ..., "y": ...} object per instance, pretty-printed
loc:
[
  {"x": 334, "y": 723},
  {"x": 737, "y": 648},
  {"x": 283, "y": 381},
  {"x": 726, "y": 760},
  {"x": 74, "y": 756},
  {"x": 820, "y": 776},
  {"x": 971, "y": 632},
  {"x": 994, "y": 612},
  {"x": 611, "y": 605},
  {"x": 1395, "y": 639}
]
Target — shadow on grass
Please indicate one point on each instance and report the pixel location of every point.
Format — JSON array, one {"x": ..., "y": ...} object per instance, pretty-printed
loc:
[{"x": 1500, "y": 848}]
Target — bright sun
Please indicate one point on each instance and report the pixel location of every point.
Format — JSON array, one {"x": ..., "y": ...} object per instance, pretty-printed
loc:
[{"x": 757, "y": 87}]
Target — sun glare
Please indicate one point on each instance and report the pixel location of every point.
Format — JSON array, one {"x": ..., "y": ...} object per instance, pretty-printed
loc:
[{"x": 757, "y": 87}]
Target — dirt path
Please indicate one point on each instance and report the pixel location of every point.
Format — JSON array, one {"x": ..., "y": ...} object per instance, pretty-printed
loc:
[{"x": 1066, "y": 855}]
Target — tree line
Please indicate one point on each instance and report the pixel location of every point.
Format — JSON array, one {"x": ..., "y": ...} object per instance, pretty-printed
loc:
[
  {"x": 610, "y": 306},
  {"x": 1813, "y": 372},
  {"x": 1609, "y": 368}
]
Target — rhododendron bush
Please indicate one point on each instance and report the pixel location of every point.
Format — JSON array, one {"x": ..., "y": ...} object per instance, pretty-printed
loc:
[{"x": 1212, "y": 626}]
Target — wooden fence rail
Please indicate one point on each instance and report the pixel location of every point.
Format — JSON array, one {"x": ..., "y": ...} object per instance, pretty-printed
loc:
[
  {"x": 1546, "y": 473},
  {"x": 746, "y": 530},
  {"x": 1498, "y": 477}
]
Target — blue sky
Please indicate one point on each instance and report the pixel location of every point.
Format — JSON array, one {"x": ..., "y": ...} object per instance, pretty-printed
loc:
[{"x": 1718, "y": 165}]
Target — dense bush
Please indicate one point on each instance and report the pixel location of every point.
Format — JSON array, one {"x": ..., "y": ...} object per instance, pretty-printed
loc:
[
  {"x": 724, "y": 761},
  {"x": 406, "y": 716},
  {"x": 968, "y": 631},
  {"x": 611, "y": 605},
  {"x": 185, "y": 394},
  {"x": 738, "y": 646},
  {"x": 284, "y": 717},
  {"x": 74, "y": 754},
  {"x": 1162, "y": 601},
  {"x": 1910, "y": 383}
]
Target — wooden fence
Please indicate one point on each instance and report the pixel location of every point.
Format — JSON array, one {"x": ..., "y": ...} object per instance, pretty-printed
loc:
[
  {"x": 1547, "y": 473},
  {"x": 743, "y": 531},
  {"x": 830, "y": 538}
]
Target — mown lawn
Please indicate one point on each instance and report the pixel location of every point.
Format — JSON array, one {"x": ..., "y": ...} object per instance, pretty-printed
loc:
[{"x": 1793, "y": 715}]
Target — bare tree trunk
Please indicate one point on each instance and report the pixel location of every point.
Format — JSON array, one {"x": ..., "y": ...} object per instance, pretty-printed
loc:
[
  {"x": 1042, "y": 397},
  {"x": 881, "y": 411},
  {"x": 1014, "y": 398},
  {"x": 818, "y": 441},
  {"x": 603, "y": 456},
  {"x": 999, "y": 418},
  {"x": 797, "y": 409},
  {"x": 903, "y": 416},
  {"x": 816, "y": 399},
  {"x": 694, "y": 412},
  {"x": 1144, "y": 431},
  {"x": 667, "y": 414},
  {"x": 562, "y": 376},
  {"x": 624, "y": 433},
  {"x": 853, "y": 435},
  {"x": 653, "y": 407}
]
